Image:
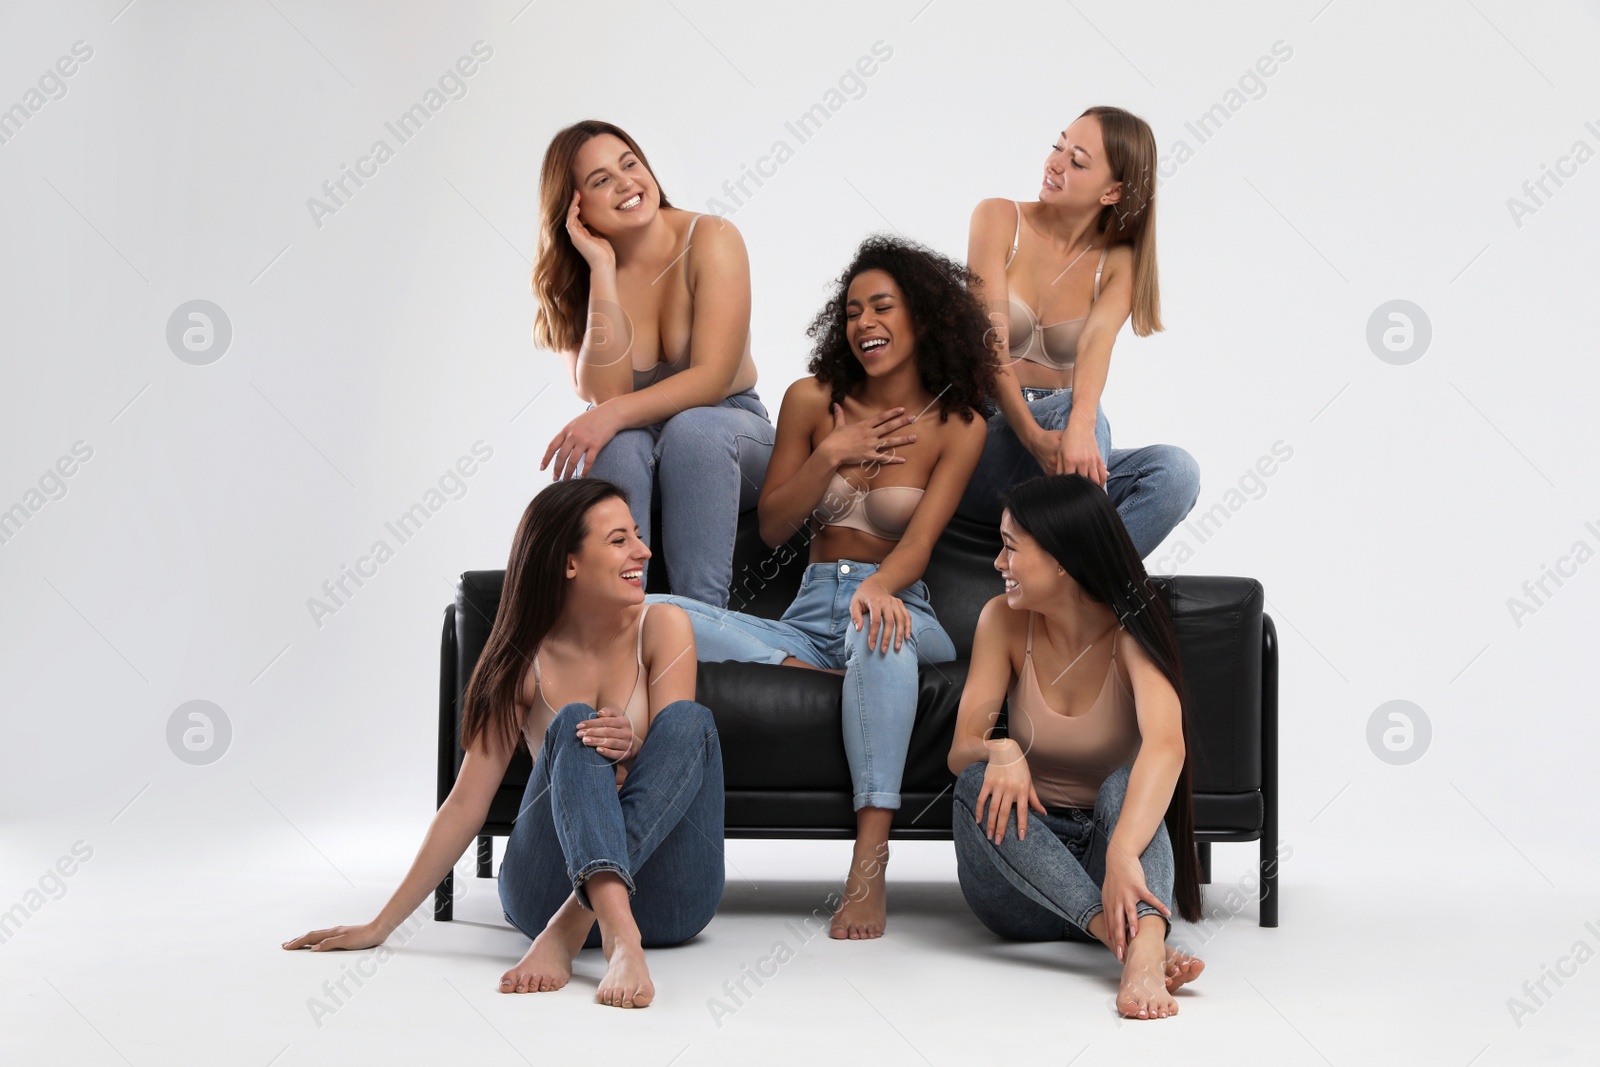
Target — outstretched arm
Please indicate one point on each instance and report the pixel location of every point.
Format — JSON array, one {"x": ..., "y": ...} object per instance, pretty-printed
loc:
[{"x": 456, "y": 823}]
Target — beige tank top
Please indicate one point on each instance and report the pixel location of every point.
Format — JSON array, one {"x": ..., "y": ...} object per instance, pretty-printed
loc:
[{"x": 1069, "y": 756}]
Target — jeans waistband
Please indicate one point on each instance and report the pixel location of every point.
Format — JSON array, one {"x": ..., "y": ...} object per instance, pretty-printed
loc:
[
  {"x": 849, "y": 570},
  {"x": 1031, "y": 393}
]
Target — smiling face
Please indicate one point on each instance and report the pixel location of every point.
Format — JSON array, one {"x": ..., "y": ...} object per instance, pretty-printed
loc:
[
  {"x": 609, "y": 563},
  {"x": 1033, "y": 576},
  {"x": 616, "y": 190},
  {"x": 1076, "y": 174},
  {"x": 878, "y": 323}
]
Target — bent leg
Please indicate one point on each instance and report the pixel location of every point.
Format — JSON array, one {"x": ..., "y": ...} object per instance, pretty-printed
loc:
[
  {"x": 721, "y": 635},
  {"x": 629, "y": 461},
  {"x": 712, "y": 462},
  {"x": 533, "y": 876},
  {"x": 1156, "y": 860},
  {"x": 1154, "y": 488},
  {"x": 672, "y": 803},
  {"x": 1042, "y": 867}
]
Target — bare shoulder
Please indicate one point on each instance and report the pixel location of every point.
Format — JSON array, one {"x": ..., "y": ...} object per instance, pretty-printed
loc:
[
  {"x": 665, "y": 625},
  {"x": 807, "y": 399},
  {"x": 1119, "y": 259},
  {"x": 713, "y": 233},
  {"x": 999, "y": 622},
  {"x": 995, "y": 213}
]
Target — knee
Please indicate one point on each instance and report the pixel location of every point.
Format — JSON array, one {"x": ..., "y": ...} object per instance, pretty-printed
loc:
[
  {"x": 684, "y": 716},
  {"x": 1183, "y": 473},
  {"x": 969, "y": 783},
  {"x": 1113, "y": 789},
  {"x": 564, "y": 727},
  {"x": 697, "y": 431},
  {"x": 631, "y": 446}
]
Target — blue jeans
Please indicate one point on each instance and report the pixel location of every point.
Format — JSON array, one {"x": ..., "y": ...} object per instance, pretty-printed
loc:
[
  {"x": 879, "y": 700},
  {"x": 661, "y": 833},
  {"x": 1152, "y": 487},
  {"x": 711, "y": 462},
  {"x": 1046, "y": 887}
]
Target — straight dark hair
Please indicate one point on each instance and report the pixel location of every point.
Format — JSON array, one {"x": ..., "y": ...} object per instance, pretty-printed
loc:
[
  {"x": 553, "y": 525},
  {"x": 1072, "y": 519}
]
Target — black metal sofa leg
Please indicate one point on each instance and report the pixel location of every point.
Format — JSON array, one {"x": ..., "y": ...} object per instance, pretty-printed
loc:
[
  {"x": 444, "y": 898},
  {"x": 485, "y": 856}
]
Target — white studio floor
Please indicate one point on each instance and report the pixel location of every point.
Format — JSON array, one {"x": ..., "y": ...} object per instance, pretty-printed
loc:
[{"x": 163, "y": 949}]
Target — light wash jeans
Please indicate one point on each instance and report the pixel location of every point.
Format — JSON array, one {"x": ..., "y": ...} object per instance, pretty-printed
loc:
[
  {"x": 1152, "y": 487},
  {"x": 880, "y": 688},
  {"x": 711, "y": 462},
  {"x": 661, "y": 833},
  {"x": 1046, "y": 887}
]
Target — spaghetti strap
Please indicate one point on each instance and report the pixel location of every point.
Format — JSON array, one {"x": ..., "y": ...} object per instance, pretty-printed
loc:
[
  {"x": 1100, "y": 267},
  {"x": 1016, "y": 237},
  {"x": 639, "y": 651},
  {"x": 687, "y": 237},
  {"x": 1031, "y": 616}
]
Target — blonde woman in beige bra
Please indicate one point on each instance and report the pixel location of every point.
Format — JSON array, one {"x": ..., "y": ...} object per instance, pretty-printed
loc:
[
  {"x": 649, "y": 307},
  {"x": 1078, "y": 823},
  {"x": 1061, "y": 275}
]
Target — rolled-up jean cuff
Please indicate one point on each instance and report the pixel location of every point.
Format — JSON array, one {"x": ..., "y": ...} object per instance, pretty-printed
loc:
[
  {"x": 593, "y": 868},
  {"x": 1141, "y": 911},
  {"x": 877, "y": 800}
]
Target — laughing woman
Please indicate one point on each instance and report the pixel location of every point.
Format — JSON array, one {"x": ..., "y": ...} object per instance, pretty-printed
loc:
[
  {"x": 1061, "y": 275},
  {"x": 649, "y": 306},
  {"x": 621, "y": 822},
  {"x": 1078, "y": 824},
  {"x": 864, "y": 465}
]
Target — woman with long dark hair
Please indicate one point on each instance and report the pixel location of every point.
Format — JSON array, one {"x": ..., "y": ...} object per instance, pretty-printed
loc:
[
  {"x": 621, "y": 822},
  {"x": 1079, "y": 823},
  {"x": 1061, "y": 275},
  {"x": 872, "y": 470},
  {"x": 649, "y": 307}
]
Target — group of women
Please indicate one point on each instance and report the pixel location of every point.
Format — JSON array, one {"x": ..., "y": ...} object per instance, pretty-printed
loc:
[{"x": 934, "y": 389}]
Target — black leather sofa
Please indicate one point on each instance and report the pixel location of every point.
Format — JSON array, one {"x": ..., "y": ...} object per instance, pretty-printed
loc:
[{"x": 784, "y": 766}]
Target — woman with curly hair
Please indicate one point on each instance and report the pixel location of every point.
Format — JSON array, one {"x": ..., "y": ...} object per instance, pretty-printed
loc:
[
  {"x": 1060, "y": 276},
  {"x": 654, "y": 325},
  {"x": 864, "y": 466}
]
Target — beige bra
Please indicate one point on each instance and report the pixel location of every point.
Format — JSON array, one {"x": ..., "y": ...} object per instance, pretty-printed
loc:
[
  {"x": 637, "y": 707},
  {"x": 666, "y": 368},
  {"x": 1054, "y": 345},
  {"x": 882, "y": 512}
]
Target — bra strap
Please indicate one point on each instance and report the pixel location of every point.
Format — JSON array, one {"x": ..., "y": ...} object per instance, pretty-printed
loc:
[
  {"x": 1100, "y": 267},
  {"x": 1016, "y": 237},
  {"x": 638, "y": 652},
  {"x": 1031, "y": 616},
  {"x": 687, "y": 237}
]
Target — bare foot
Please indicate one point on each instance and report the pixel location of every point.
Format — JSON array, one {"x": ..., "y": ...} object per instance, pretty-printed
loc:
[
  {"x": 627, "y": 982},
  {"x": 546, "y": 967},
  {"x": 1144, "y": 994},
  {"x": 1182, "y": 968},
  {"x": 863, "y": 913}
]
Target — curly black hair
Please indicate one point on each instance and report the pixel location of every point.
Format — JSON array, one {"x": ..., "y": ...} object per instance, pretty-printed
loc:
[{"x": 950, "y": 320}]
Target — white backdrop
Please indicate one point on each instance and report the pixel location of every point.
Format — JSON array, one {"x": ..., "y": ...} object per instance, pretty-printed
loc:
[{"x": 1391, "y": 154}]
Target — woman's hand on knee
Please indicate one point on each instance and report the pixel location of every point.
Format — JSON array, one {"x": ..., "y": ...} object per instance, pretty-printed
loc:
[
  {"x": 581, "y": 439},
  {"x": 1007, "y": 784},
  {"x": 610, "y": 733},
  {"x": 886, "y": 616},
  {"x": 1120, "y": 894}
]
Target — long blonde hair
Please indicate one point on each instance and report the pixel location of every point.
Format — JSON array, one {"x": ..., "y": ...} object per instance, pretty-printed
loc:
[
  {"x": 560, "y": 273},
  {"x": 1131, "y": 155}
]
